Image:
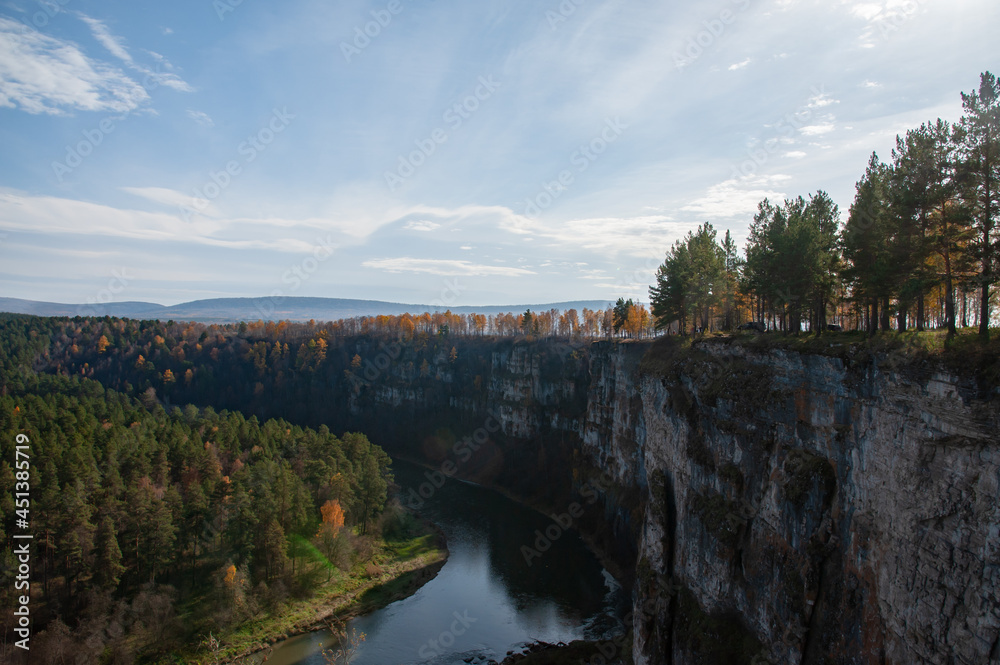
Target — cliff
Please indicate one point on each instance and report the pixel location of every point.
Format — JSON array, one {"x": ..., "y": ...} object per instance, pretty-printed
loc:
[
  {"x": 819, "y": 509},
  {"x": 775, "y": 506}
]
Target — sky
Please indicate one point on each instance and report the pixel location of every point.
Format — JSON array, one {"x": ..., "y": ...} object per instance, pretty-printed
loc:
[{"x": 450, "y": 153}]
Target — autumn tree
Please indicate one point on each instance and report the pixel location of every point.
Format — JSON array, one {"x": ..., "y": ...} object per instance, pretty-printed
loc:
[{"x": 979, "y": 174}]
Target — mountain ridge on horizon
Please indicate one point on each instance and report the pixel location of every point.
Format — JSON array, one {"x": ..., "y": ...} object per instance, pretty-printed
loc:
[{"x": 268, "y": 308}]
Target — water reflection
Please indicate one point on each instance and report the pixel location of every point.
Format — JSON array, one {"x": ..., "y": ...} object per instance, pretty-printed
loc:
[{"x": 487, "y": 599}]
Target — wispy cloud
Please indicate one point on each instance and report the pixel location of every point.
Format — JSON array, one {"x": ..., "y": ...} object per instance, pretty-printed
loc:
[
  {"x": 737, "y": 197},
  {"x": 201, "y": 118},
  {"x": 421, "y": 225},
  {"x": 636, "y": 236},
  {"x": 116, "y": 46},
  {"x": 444, "y": 267},
  {"x": 68, "y": 217},
  {"x": 818, "y": 130},
  {"x": 739, "y": 65},
  {"x": 42, "y": 74}
]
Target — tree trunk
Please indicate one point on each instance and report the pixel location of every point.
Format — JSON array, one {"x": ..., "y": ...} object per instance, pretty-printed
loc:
[
  {"x": 984, "y": 297},
  {"x": 949, "y": 296},
  {"x": 920, "y": 311}
]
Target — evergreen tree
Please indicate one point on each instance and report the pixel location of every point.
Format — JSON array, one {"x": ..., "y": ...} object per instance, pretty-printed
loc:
[
  {"x": 914, "y": 172},
  {"x": 979, "y": 138},
  {"x": 108, "y": 567},
  {"x": 868, "y": 266},
  {"x": 691, "y": 282},
  {"x": 372, "y": 490}
]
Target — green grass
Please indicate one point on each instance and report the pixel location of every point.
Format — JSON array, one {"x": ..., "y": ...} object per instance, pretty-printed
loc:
[
  {"x": 964, "y": 353},
  {"x": 397, "y": 567}
]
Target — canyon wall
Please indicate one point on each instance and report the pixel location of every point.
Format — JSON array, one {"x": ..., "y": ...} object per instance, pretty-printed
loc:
[{"x": 770, "y": 505}]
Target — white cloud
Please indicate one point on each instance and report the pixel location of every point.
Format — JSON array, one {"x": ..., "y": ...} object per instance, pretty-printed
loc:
[
  {"x": 201, "y": 118},
  {"x": 736, "y": 197},
  {"x": 871, "y": 84},
  {"x": 116, "y": 46},
  {"x": 818, "y": 130},
  {"x": 53, "y": 215},
  {"x": 795, "y": 154},
  {"x": 172, "y": 198},
  {"x": 444, "y": 267},
  {"x": 646, "y": 235},
  {"x": 820, "y": 99},
  {"x": 42, "y": 74},
  {"x": 421, "y": 225},
  {"x": 739, "y": 65}
]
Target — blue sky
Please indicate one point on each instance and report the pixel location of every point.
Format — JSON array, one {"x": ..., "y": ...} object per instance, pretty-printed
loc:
[{"x": 489, "y": 152}]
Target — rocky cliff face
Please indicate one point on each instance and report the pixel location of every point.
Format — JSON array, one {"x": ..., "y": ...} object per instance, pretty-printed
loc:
[
  {"x": 776, "y": 506},
  {"x": 819, "y": 509}
]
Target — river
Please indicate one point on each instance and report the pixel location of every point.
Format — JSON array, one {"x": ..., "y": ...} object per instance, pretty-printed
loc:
[{"x": 486, "y": 600}]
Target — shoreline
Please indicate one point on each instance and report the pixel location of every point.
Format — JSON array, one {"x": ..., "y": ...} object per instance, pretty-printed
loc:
[{"x": 409, "y": 576}]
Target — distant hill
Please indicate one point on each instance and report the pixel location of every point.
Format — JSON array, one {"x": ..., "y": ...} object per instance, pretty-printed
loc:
[{"x": 221, "y": 310}]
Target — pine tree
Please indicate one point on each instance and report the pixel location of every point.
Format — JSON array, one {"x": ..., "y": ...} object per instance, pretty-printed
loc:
[
  {"x": 108, "y": 567},
  {"x": 868, "y": 265},
  {"x": 949, "y": 216},
  {"x": 979, "y": 171},
  {"x": 373, "y": 487},
  {"x": 913, "y": 173}
]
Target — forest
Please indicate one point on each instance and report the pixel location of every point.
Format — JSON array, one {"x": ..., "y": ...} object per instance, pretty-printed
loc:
[
  {"x": 159, "y": 522},
  {"x": 155, "y": 526},
  {"x": 919, "y": 248}
]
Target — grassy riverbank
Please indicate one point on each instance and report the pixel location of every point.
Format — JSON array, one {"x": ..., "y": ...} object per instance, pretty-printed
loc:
[{"x": 396, "y": 568}]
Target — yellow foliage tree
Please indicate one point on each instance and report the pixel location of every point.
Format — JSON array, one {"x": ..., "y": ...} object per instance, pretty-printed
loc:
[
  {"x": 230, "y": 578},
  {"x": 333, "y": 520},
  {"x": 333, "y": 516}
]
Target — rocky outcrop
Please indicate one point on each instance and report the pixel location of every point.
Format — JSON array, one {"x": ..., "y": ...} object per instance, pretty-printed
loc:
[
  {"x": 775, "y": 506},
  {"x": 826, "y": 510}
]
